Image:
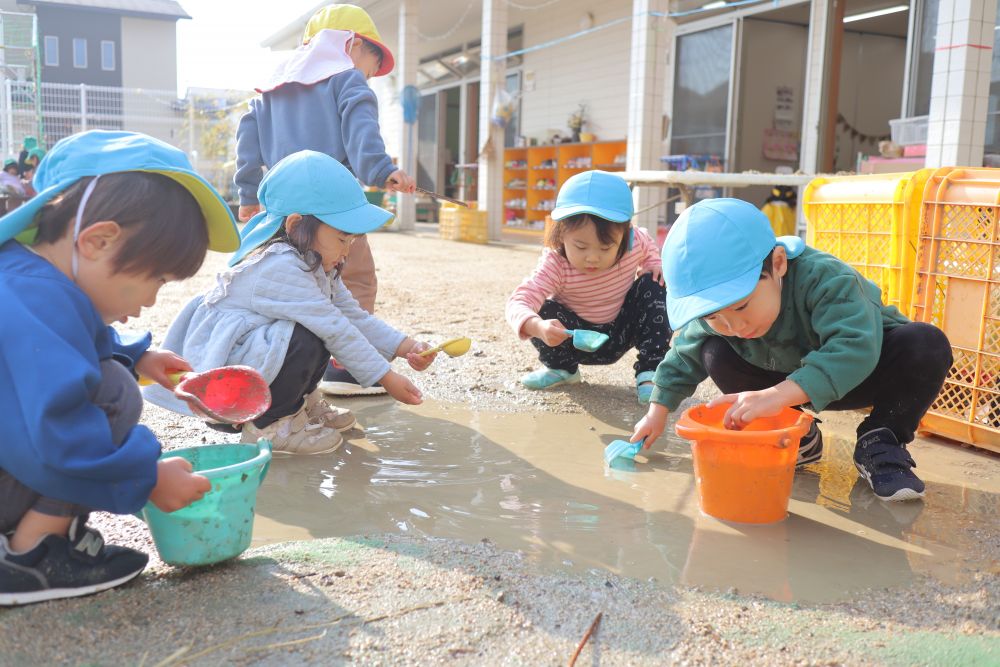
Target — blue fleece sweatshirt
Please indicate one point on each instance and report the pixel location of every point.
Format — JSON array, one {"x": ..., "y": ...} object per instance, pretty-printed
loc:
[
  {"x": 53, "y": 439},
  {"x": 337, "y": 116}
]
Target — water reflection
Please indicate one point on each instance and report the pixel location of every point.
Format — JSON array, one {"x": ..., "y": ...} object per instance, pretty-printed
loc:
[{"x": 538, "y": 483}]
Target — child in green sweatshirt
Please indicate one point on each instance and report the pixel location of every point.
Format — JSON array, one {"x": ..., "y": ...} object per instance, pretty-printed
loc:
[{"x": 776, "y": 324}]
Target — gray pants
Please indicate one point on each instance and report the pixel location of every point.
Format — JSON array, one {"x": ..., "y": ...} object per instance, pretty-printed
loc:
[{"x": 119, "y": 397}]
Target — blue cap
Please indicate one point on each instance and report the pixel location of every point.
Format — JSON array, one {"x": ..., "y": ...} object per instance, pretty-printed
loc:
[
  {"x": 100, "y": 152},
  {"x": 599, "y": 193},
  {"x": 310, "y": 183},
  {"x": 713, "y": 255}
]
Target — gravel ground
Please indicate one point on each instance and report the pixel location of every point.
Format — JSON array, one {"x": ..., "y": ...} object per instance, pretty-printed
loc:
[{"x": 387, "y": 599}]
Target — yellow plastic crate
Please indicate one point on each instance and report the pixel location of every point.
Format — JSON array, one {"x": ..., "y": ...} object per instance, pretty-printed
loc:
[
  {"x": 958, "y": 289},
  {"x": 457, "y": 223},
  {"x": 871, "y": 223}
]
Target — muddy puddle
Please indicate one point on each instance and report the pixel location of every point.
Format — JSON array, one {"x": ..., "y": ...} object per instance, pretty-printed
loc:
[{"x": 537, "y": 483}]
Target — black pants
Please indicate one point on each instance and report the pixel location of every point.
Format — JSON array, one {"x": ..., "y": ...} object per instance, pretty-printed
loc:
[
  {"x": 305, "y": 361},
  {"x": 911, "y": 369},
  {"x": 642, "y": 324}
]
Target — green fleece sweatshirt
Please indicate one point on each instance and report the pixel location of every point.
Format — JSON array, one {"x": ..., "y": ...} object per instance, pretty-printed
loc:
[{"x": 828, "y": 335}]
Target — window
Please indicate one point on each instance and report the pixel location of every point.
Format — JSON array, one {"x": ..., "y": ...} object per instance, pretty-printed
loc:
[
  {"x": 79, "y": 53},
  {"x": 107, "y": 56},
  {"x": 922, "y": 68},
  {"x": 51, "y": 51},
  {"x": 701, "y": 92}
]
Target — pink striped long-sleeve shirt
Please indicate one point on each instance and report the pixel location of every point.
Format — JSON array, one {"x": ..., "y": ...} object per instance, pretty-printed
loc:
[{"x": 596, "y": 297}]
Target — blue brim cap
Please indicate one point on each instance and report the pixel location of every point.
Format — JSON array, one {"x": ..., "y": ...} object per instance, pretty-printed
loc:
[
  {"x": 561, "y": 212},
  {"x": 599, "y": 193},
  {"x": 712, "y": 299},
  {"x": 263, "y": 226},
  {"x": 100, "y": 152}
]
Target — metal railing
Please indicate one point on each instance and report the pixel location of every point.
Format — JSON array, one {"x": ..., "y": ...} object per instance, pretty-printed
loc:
[{"x": 202, "y": 124}]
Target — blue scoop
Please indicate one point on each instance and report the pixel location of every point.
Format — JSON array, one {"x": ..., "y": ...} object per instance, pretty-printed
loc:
[
  {"x": 586, "y": 340},
  {"x": 622, "y": 449}
]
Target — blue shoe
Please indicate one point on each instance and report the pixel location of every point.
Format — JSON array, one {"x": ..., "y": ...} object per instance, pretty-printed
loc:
[
  {"x": 644, "y": 386},
  {"x": 811, "y": 446},
  {"x": 886, "y": 466},
  {"x": 544, "y": 378}
]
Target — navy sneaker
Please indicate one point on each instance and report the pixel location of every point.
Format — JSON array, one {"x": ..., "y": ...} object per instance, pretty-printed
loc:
[
  {"x": 338, "y": 382},
  {"x": 886, "y": 466},
  {"x": 65, "y": 567},
  {"x": 811, "y": 446}
]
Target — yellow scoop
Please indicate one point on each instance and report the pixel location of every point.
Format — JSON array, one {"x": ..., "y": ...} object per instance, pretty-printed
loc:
[{"x": 455, "y": 347}]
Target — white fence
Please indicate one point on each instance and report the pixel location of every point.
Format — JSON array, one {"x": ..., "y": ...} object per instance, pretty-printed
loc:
[{"x": 203, "y": 124}]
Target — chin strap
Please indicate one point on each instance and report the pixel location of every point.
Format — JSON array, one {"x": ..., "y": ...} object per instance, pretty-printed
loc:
[{"x": 79, "y": 220}]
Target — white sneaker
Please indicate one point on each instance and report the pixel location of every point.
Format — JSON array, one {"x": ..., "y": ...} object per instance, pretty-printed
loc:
[
  {"x": 295, "y": 434},
  {"x": 321, "y": 412},
  {"x": 338, "y": 382}
]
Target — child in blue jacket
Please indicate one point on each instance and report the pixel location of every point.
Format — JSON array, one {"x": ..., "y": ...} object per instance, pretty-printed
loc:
[
  {"x": 117, "y": 215},
  {"x": 319, "y": 99}
]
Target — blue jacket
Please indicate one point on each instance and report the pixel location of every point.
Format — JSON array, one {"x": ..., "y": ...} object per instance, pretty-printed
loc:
[
  {"x": 53, "y": 439},
  {"x": 337, "y": 116}
]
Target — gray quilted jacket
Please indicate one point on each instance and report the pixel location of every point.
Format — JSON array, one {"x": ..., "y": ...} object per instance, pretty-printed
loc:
[{"x": 248, "y": 318}]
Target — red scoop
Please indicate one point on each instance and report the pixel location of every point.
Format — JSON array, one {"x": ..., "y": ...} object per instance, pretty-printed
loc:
[{"x": 233, "y": 394}]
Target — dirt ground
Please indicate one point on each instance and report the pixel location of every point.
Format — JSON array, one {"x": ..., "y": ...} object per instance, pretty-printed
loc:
[{"x": 399, "y": 600}]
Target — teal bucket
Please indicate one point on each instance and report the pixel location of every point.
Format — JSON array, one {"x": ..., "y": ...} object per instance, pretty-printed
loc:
[{"x": 219, "y": 526}]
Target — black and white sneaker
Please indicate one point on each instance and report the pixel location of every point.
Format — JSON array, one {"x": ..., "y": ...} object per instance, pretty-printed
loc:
[
  {"x": 887, "y": 466},
  {"x": 65, "y": 567},
  {"x": 811, "y": 446}
]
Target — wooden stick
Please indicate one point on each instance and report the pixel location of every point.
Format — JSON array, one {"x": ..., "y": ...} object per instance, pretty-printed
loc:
[
  {"x": 434, "y": 195},
  {"x": 590, "y": 631}
]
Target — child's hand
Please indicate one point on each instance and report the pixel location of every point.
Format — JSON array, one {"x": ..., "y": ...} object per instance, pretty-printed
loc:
[
  {"x": 176, "y": 486},
  {"x": 401, "y": 389},
  {"x": 651, "y": 426},
  {"x": 552, "y": 332},
  {"x": 656, "y": 274},
  {"x": 749, "y": 405},
  {"x": 249, "y": 211},
  {"x": 417, "y": 362},
  {"x": 156, "y": 364},
  {"x": 400, "y": 181}
]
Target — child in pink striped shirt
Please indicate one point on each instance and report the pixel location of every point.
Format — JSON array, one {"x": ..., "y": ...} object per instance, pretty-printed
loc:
[{"x": 598, "y": 273}]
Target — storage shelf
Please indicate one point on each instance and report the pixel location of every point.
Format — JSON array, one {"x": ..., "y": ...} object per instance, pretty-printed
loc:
[{"x": 601, "y": 155}]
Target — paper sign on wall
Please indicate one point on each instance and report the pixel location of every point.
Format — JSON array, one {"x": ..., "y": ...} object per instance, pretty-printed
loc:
[
  {"x": 781, "y": 145},
  {"x": 784, "y": 108}
]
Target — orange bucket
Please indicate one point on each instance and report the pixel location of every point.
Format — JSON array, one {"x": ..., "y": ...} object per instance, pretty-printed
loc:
[{"x": 743, "y": 476}]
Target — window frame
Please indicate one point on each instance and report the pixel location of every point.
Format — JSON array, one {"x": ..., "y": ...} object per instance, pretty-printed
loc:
[
  {"x": 77, "y": 41},
  {"x": 50, "y": 55},
  {"x": 114, "y": 60}
]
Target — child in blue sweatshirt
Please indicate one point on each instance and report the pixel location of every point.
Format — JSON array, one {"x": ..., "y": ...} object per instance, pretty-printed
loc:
[
  {"x": 319, "y": 99},
  {"x": 117, "y": 215},
  {"x": 776, "y": 324}
]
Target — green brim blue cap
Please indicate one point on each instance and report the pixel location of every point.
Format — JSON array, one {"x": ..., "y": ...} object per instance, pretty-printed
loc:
[
  {"x": 596, "y": 192},
  {"x": 713, "y": 255},
  {"x": 309, "y": 183},
  {"x": 100, "y": 152}
]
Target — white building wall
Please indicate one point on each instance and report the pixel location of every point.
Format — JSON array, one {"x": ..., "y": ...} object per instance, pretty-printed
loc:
[
  {"x": 390, "y": 112},
  {"x": 149, "y": 54},
  {"x": 558, "y": 86},
  {"x": 593, "y": 69}
]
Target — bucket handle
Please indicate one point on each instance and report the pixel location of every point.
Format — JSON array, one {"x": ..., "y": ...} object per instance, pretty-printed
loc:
[
  {"x": 263, "y": 456},
  {"x": 689, "y": 429}
]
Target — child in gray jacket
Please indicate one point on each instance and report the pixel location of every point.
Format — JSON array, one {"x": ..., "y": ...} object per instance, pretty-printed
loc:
[{"x": 283, "y": 309}]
